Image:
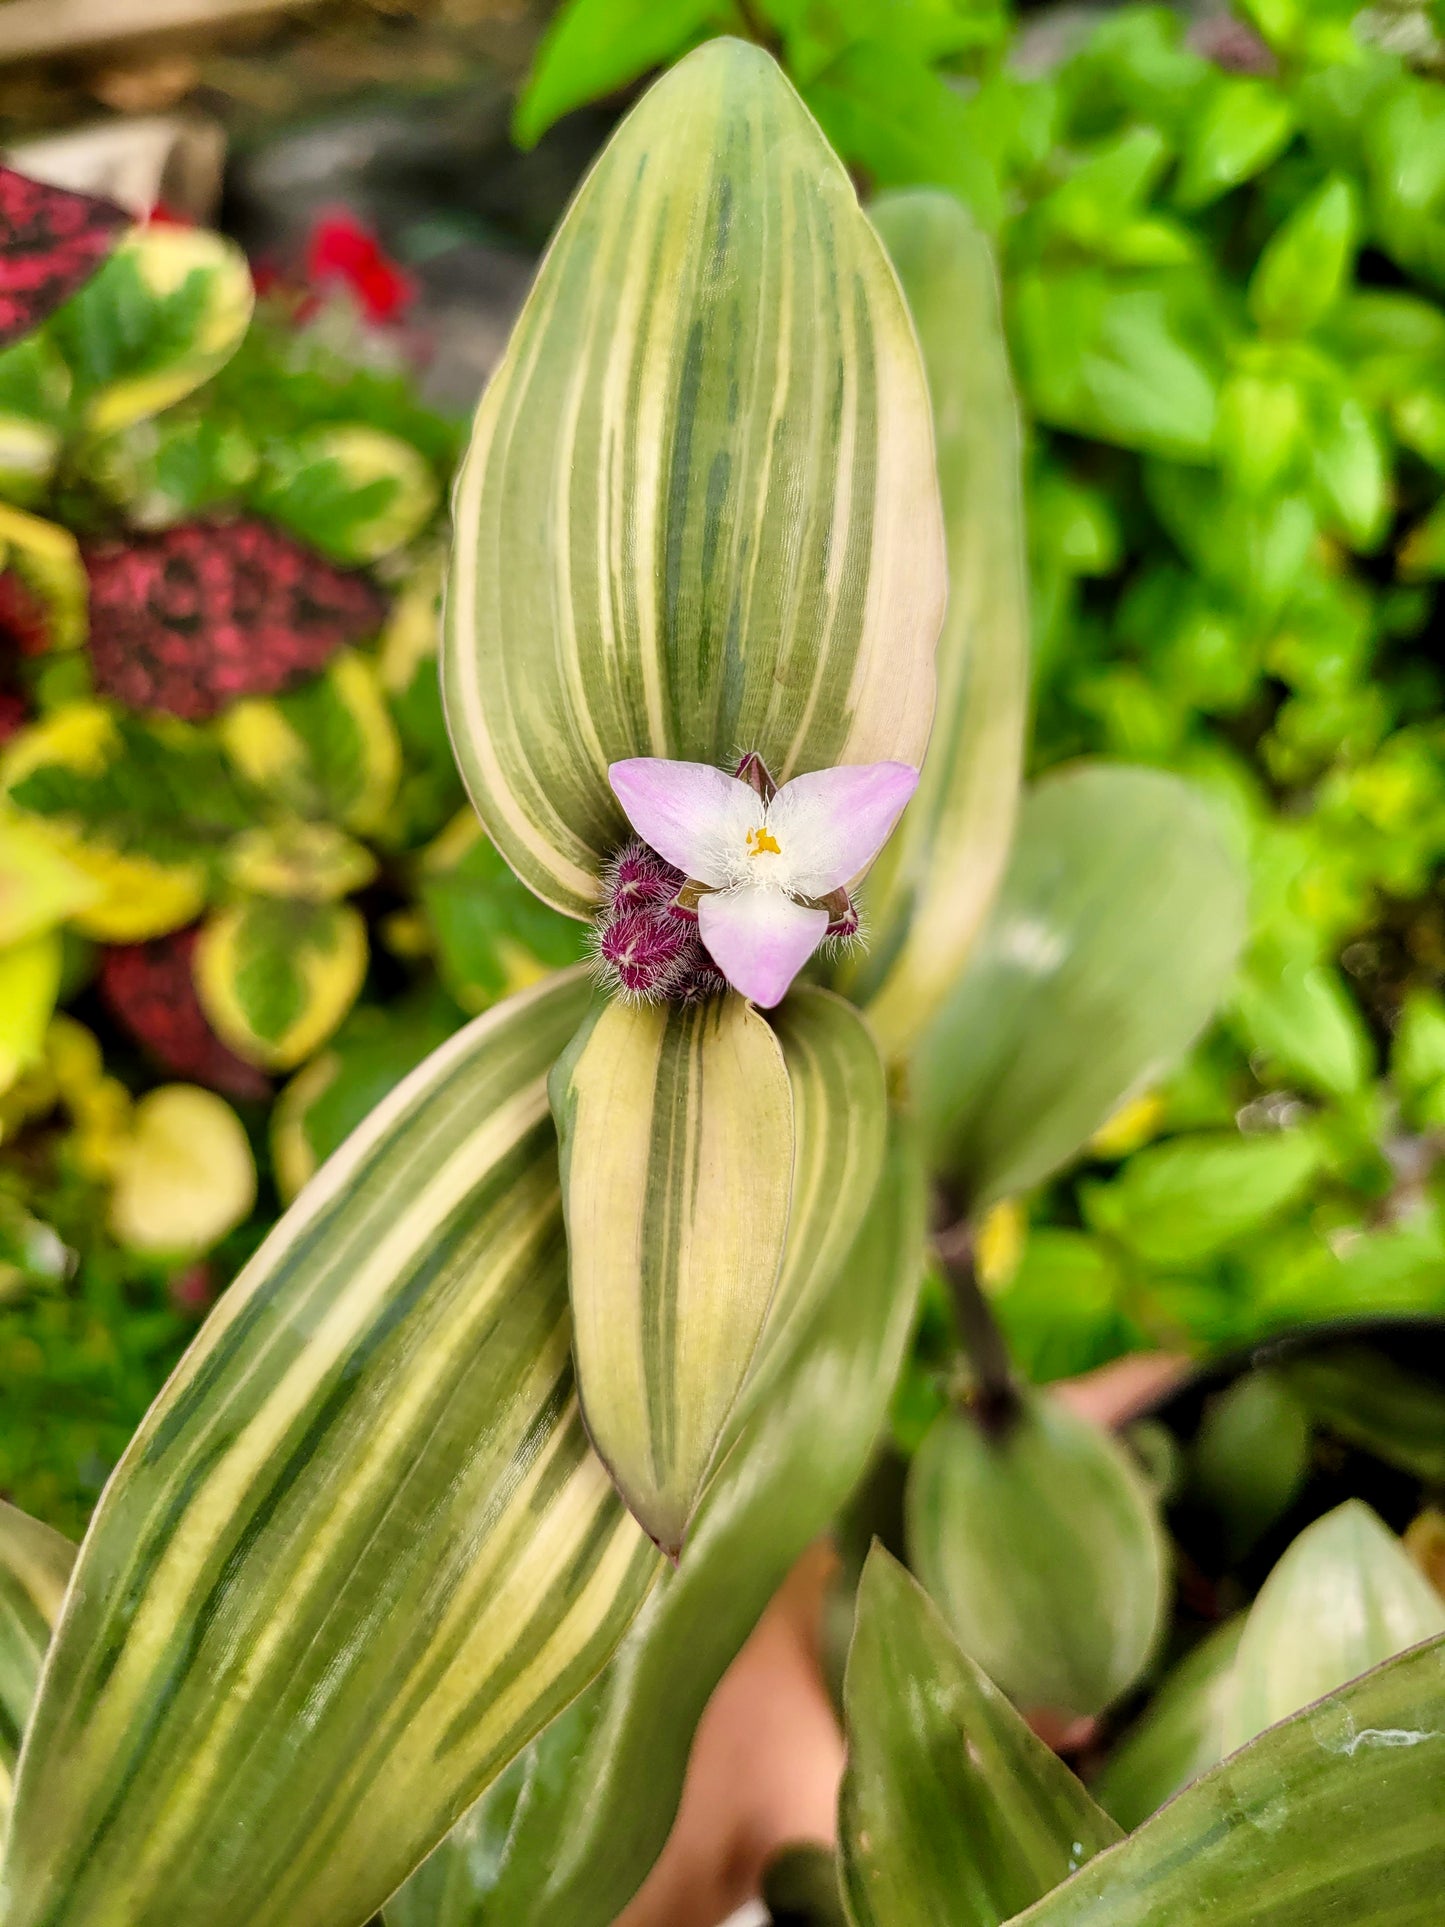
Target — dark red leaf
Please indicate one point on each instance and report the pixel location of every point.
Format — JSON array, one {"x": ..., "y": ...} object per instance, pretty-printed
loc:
[
  {"x": 149, "y": 990},
  {"x": 192, "y": 618},
  {"x": 51, "y": 243}
]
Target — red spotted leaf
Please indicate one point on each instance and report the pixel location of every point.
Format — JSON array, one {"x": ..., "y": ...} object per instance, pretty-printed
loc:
[
  {"x": 51, "y": 243},
  {"x": 149, "y": 989},
  {"x": 192, "y": 618}
]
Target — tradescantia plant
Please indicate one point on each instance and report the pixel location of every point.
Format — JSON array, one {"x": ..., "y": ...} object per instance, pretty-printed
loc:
[{"x": 484, "y": 1468}]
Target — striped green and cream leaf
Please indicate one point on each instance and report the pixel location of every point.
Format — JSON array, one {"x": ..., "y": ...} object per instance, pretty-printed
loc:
[
  {"x": 952, "y": 1813},
  {"x": 35, "y": 1565},
  {"x": 676, "y": 1130},
  {"x": 929, "y": 892},
  {"x": 584, "y": 1820},
  {"x": 700, "y": 509},
  {"x": 360, "y": 1550},
  {"x": 840, "y": 1135}
]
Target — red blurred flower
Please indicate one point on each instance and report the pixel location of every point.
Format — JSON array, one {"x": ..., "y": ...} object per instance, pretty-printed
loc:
[{"x": 342, "y": 250}]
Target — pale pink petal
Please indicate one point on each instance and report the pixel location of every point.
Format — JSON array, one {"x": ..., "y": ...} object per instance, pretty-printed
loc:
[
  {"x": 695, "y": 816},
  {"x": 831, "y": 823},
  {"x": 759, "y": 939}
]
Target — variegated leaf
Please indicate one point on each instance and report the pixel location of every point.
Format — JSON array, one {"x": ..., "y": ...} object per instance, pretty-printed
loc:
[
  {"x": 931, "y": 888},
  {"x": 700, "y": 512},
  {"x": 570, "y": 1835},
  {"x": 276, "y": 975},
  {"x": 34, "y": 1567},
  {"x": 358, "y": 1552},
  {"x": 676, "y": 1126},
  {"x": 840, "y": 1130}
]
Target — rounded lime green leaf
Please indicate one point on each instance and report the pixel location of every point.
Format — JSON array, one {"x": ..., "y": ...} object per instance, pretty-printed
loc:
[
  {"x": 676, "y": 1128},
  {"x": 185, "y": 1175},
  {"x": 39, "y": 885},
  {"x": 276, "y": 975},
  {"x": 952, "y": 1813},
  {"x": 35, "y": 1566},
  {"x": 290, "y": 857},
  {"x": 350, "y": 490},
  {"x": 1343, "y": 1598},
  {"x": 359, "y": 1551},
  {"x": 165, "y": 312},
  {"x": 1044, "y": 1551},
  {"x": 700, "y": 510},
  {"x": 29, "y": 985},
  {"x": 1336, "y": 1815},
  {"x": 1179, "y": 1735},
  {"x": 1114, "y": 936},
  {"x": 929, "y": 892}
]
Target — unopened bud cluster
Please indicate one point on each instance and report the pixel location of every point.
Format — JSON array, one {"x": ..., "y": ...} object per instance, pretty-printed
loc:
[{"x": 647, "y": 943}]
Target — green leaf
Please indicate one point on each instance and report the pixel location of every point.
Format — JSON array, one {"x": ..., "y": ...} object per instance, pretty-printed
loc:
[
  {"x": 1365, "y": 1398},
  {"x": 1300, "y": 1016},
  {"x": 328, "y": 749},
  {"x": 35, "y": 1566},
  {"x": 491, "y": 934},
  {"x": 1250, "y": 1457},
  {"x": 700, "y": 510},
  {"x": 166, "y": 311},
  {"x": 1044, "y": 1551},
  {"x": 276, "y": 975},
  {"x": 594, "y": 47},
  {"x": 840, "y": 1133},
  {"x": 1192, "y": 1196},
  {"x": 1113, "y": 937},
  {"x": 1245, "y": 123},
  {"x": 1344, "y": 1597},
  {"x": 800, "y": 1889},
  {"x": 1351, "y": 466},
  {"x": 1178, "y": 1736},
  {"x": 1115, "y": 357},
  {"x": 930, "y": 891},
  {"x": 608, "y": 1777},
  {"x": 359, "y": 1551},
  {"x": 1306, "y": 264},
  {"x": 951, "y": 1811},
  {"x": 676, "y": 1129},
  {"x": 1336, "y": 1815},
  {"x": 350, "y": 490},
  {"x": 902, "y": 125}
]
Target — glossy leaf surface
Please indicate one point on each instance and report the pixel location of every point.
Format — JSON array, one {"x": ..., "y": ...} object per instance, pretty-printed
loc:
[
  {"x": 1044, "y": 1551},
  {"x": 952, "y": 1813},
  {"x": 359, "y": 1551},
  {"x": 700, "y": 509},
  {"x": 1338, "y": 1814},
  {"x": 1113, "y": 938},
  {"x": 1179, "y": 1735},
  {"x": 929, "y": 892}
]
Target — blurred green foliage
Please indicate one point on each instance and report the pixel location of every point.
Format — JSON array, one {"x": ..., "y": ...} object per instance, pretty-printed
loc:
[{"x": 1223, "y": 263}]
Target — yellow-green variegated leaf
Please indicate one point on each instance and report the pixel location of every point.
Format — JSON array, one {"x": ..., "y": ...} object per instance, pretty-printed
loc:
[
  {"x": 360, "y": 1549},
  {"x": 929, "y": 892},
  {"x": 46, "y": 557},
  {"x": 34, "y": 1567},
  {"x": 29, "y": 985},
  {"x": 840, "y": 1132},
  {"x": 276, "y": 975},
  {"x": 166, "y": 311},
  {"x": 700, "y": 511},
  {"x": 184, "y": 1173},
  {"x": 676, "y": 1127}
]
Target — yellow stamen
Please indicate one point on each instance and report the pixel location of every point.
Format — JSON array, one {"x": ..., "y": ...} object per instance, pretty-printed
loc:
[{"x": 763, "y": 839}]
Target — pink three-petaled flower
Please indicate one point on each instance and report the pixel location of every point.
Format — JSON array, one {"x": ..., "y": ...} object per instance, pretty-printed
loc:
[{"x": 763, "y": 862}]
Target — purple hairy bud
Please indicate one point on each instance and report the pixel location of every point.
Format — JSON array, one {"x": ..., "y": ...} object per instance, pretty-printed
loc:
[
  {"x": 647, "y": 942},
  {"x": 843, "y": 919}
]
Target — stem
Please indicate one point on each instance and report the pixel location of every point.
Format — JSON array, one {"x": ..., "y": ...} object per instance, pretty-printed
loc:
[{"x": 997, "y": 1400}]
